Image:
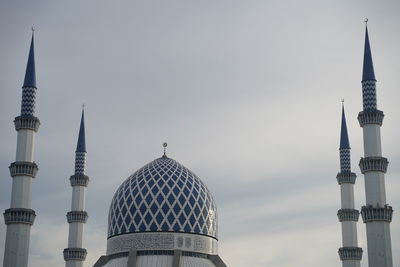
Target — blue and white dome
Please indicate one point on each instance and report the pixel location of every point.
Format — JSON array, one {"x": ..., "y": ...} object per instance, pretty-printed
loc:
[{"x": 163, "y": 196}]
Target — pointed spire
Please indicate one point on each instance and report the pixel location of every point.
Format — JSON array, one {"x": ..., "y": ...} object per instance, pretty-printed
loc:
[
  {"x": 81, "y": 146},
  {"x": 30, "y": 74},
  {"x": 368, "y": 67},
  {"x": 344, "y": 138}
]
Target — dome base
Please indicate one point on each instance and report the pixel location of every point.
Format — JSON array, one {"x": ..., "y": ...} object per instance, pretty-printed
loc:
[
  {"x": 160, "y": 258},
  {"x": 162, "y": 241}
]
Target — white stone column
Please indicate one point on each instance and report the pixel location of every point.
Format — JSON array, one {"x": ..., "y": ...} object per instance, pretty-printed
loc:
[{"x": 377, "y": 214}]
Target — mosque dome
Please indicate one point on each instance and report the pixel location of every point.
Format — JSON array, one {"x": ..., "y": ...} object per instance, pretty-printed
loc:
[
  {"x": 163, "y": 196},
  {"x": 162, "y": 215}
]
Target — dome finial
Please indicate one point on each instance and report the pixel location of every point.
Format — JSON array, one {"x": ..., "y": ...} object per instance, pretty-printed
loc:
[{"x": 165, "y": 149}]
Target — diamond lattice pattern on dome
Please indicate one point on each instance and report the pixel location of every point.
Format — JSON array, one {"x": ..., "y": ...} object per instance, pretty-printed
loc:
[{"x": 163, "y": 196}]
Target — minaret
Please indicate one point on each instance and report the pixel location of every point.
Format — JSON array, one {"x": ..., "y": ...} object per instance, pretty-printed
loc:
[
  {"x": 75, "y": 255},
  {"x": 376, "y": 214},
  {"x": 20, "y": 217},
  {"x": 350, "y": 253}
]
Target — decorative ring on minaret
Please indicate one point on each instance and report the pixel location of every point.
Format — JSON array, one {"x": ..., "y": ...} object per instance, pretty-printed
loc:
[
  {"x": 346, "y": 177},
  {"x": 370, "y": 117},
  {"x": 350, "y": 253},
  {"x": 348, "y": 215},
  {"x": 23, "y": 168},
  {"x": 369, "y": 164},
  {"x": 26, "y": 122},
  {"x": 19, "y": 215},
  {"x": 78, "y": 254},
  {"x": 77, "y": 216},
  {"x": 79, "y": 180},
  {"x": 370, "y": 213}
]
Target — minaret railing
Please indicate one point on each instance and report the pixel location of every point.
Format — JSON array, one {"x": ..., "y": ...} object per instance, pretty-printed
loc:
[
  {"x": 350, "y": 253},
  {"x": 19, "y": 215}
]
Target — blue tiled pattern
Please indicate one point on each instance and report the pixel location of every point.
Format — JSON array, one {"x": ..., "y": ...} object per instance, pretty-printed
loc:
[
  {"x": 28, "y": 101},
  {"x": 163, "y": 196},
  {"x": 369, "y": 94},
  {"x": 80, "y": 162},
  {"x": 345, "y": 164}
]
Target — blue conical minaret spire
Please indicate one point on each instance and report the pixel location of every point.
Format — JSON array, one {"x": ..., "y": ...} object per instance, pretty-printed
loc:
[
  {"x": 368, "y": 66},
  {"x": 81, "y": 145},
  {"x": 30, "y": 74},
  {"x": 29, "y": 87},
  {"x": 344, "y": 137},
  {"x": 368, "y": 77},
  {"x": 344, "y": 147}
]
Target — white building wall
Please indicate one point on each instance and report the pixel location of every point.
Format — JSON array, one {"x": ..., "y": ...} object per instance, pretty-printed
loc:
[{"x": 161, "y": 261}]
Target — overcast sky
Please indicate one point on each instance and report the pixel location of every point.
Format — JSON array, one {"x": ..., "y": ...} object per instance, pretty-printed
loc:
[{"x": 246, "y": 93}]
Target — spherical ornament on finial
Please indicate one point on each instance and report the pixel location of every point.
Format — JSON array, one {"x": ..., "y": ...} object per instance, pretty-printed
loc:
[
  {"x": 366, "y": 20},
  {"x": 165, "y": 149}
]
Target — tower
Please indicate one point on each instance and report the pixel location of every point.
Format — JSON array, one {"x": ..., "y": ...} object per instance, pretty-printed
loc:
[
  {"x": 376, "y": 214},
  {"x": 350, "y": 253},
  {"x": 20, "y": 217},
  {"x": 75, "y": 255}
]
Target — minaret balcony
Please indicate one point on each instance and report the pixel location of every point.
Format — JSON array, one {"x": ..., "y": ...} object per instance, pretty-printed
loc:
[
  {"x": 370, "y": 117},
  {"x": 369, "y": 164},
  {"x": 23, "y": 168},
  {"x": 371, "y": 214},
  {"x": 77, "y": 216},
  {"x": 346, "y": 177},
  {"x": 19, "y": 216},
  {"x": 350, "y": 253},
  {"x": 348, "y": 215},
  {"x": 79, "y": 180},
  {"x": 77, "y": 254},
  {"x": 27, "y": 122}
]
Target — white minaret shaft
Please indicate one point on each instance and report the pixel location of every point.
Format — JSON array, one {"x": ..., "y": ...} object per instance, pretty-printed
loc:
[
  {"x": 20, "y": 217},
  {"x": 350, "y": 253},
  {"x": 376, "y": 214},
  {"x": 75, "y": 255}
]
